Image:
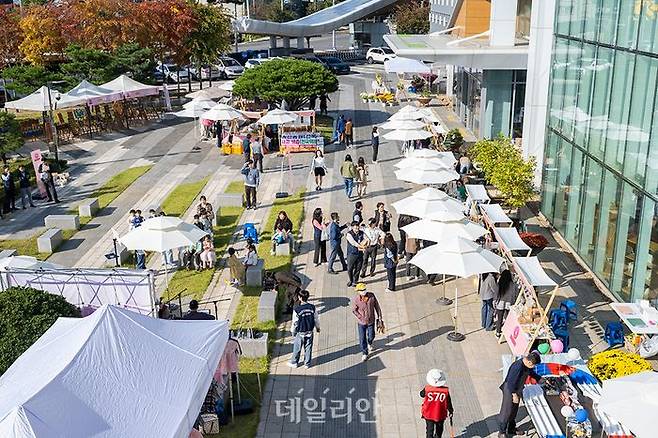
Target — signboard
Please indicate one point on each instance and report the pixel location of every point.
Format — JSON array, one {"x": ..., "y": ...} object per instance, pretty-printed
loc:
[
  {"x": 37, "y": 159},
  {"x": 301, "y": 142},
  {"x": 516, "y": 337}
]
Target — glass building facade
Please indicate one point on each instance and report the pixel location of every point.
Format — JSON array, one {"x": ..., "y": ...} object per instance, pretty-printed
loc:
[{"x": 600, "y": 173}]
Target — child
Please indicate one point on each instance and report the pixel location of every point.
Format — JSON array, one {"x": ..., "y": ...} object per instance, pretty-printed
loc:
[
  {"x": 236, "y": 268},
  {"x": 436, "y": 403}
]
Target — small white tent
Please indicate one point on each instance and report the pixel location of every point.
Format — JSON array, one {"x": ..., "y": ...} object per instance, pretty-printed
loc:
[
  {"x": 41, "y": 101},
  {"x": 130, "y": 87},
  {"x": 113, "y": 374},
  {"x": 93, "y": 94}
]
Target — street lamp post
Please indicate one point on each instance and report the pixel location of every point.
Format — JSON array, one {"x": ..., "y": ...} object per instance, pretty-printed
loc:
[
  {"x": 53, "y": 126},
  {"x": 333, "y": 32}
]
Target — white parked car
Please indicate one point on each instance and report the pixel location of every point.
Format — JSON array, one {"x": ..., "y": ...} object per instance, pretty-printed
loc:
[
  {"x": 379, "y": 54},
  {"x": 172, "y": 73},
  {"x": 255, "y": 62},
  {"x": 228, "y": 67}
]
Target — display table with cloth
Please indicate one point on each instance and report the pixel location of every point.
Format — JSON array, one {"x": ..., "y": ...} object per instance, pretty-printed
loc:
[{"x": 642, "y": 320}]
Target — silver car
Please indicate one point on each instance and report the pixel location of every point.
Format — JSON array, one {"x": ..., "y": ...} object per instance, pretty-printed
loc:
[{"x": 228, "y": 67}]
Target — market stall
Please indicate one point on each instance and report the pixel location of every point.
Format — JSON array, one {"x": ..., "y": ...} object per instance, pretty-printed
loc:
[
  {"x": 642, "y": 320},
  {"x": 509, "y": 241},
  {"x": 494, "y": 216}
]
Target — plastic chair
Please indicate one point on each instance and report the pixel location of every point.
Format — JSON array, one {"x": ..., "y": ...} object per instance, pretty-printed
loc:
[
  {"x": 558, "y": 319},
  {"x": 570, "y": 307},
  {"x": 614, "y": 334},
  {"x": 563, "y": 335},
  {"x": 249, "y": 232}
]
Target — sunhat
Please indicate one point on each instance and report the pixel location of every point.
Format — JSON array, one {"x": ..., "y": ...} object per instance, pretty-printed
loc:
[
  {"x": 435, "y": 377},
  {"x": 361, "y": 288}
]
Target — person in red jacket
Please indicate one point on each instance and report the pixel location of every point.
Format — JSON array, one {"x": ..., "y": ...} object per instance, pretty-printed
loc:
[{"x": 437, "y": 405}]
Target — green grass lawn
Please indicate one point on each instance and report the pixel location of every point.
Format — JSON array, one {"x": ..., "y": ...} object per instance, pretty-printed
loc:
[
  {"x": 182, "y": 197},
  {"x": 235, "y": 187},
  {"x": 246, "y": 316}
]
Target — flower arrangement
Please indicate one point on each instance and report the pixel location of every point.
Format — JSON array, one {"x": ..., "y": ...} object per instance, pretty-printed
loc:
[
  {"x": 616, "y": 363},
  {"x": 534, "y": 240}
]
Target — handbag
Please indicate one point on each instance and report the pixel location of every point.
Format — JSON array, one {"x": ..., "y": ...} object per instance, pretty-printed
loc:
[
  {"x": 380, "y": 327},
  {"x": 324, "y": 235}
]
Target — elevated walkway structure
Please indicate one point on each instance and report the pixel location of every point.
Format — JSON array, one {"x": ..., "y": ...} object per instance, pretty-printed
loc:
[{"x": 319, "y": 23}]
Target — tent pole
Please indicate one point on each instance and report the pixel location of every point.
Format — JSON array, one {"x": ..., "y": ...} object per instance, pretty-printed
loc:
[
  {"x": 237, "y": 383},
  {"x": 444, "y": 301},
  {"x": 455, "y": 336},
  {"x": 230, "y": 391}
]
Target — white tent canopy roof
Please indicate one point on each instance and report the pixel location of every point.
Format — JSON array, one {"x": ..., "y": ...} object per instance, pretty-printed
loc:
[
  {"x": 420, "y": 163},
  {"x": 416, "y": 176},
  {"x": 113, "y": 374},
  {"x": 222, "y": 111},
  {"x": 408, "y": 134},
  {"x": 162, "y": 233},
  {"x": 477, "y": 193},
  {"x": 437, "y": 231},
  {"x": 130, "y": 87},
  {"x": 423, "y": 208},
  {"x": 94, "y": 94},
  {"x": 533, "y": 272},
  {"x": 463, "y": 262},
  {"x": 632, "y": 400},
  {"x": 509, "y": 237},
  {"x": 278, "y": 117},
  {"x": 495, "y": 213},
  {"x": 40, "y": 101},
  {"x": 405, "y": 65}
]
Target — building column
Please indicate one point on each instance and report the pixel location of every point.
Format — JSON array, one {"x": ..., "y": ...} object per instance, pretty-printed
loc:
[
  {"x": 286, "y": 42},
  {"x": 450, "y": 80},
  {"x": 272, "y": 41},
  {"x": 300, "y": 42}
]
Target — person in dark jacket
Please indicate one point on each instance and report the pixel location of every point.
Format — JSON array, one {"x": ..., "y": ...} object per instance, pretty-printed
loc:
[
  {"x": 356, "y": 241},
  {"x": 512, "y": 389},
  {"x": 24, "y": 185},
  {"x": 46, "y": 177},
  {"x": 194, "y": 314},
  {"x": 390, "y": 260},
  {"x": 282, "y": 233},
  {"x": 335, "y": 236},
  {"x": 304, "y": 321},
  {"x": 9, "y": 187},
  {"x": 437, "y": 405},
  {"x": 358, "y": 212},
  {"x": 404, "y": 220},
  {"x": 320, "y": 246},
  {"x": 375, "y": 143},
  {"x": 383, "y": 218}
]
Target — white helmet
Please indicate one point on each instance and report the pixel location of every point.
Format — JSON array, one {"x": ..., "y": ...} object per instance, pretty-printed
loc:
[{"x": 435, "y": 377}]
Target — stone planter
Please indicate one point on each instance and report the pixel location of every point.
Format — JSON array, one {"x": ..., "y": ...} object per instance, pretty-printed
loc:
[{"x": 424, "y": 101}]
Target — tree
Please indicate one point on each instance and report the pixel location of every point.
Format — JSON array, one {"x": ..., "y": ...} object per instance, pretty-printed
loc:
[
  {"x": 292, "y": 80},
  {"x": 25, "y": 79},
  {"x": 412, "y": 17},
  {"x": 211, "y": 34},
  {"x": 25, "y": 315},
  {"x": 137, "y": 61},
  {"x": 10, "y": 37},
  {"x": 273, "y": 12},
  {"x": 99, "y": 24},
  {"x": 91, "y": 64},
  {"x": 43, "y": 39},
  {"x": 11, "y": 137}
]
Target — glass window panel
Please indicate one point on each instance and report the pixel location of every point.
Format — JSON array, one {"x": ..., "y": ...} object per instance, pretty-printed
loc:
[
  {"x": 557, "y": 82},
  {"x": 628, "y": 23},
  {"x": 648, "y": 15},
  {"x": 582, "y": 110},
  {"x": 651, "y": 183},
  {"x": 607, "y": 230},
  {"x": 600, "y": 101},
  {"x": 578, "y": 9},
  {"x": 563, "y": 17},
  {"x": 549, "y": 176},
  {"x": 575, "y": 53},
  {"x": 645, "y": 284},
  {"x": 573, "y": 192},
  {"x": 626, "y": 245},
  {"x": 617, "y": 130},
  {"x": 593, "y": 15},
  {"x": 608, "y": 27},
  {"x": 590, "y": 212},
  {"x": 563, "y": 185},
  {"x": 639, "y": 122}
]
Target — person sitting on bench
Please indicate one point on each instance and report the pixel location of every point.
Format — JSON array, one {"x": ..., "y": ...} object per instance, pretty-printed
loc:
[{"x": 282, "y": 231}]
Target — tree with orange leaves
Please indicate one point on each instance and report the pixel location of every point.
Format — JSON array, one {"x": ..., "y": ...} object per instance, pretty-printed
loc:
[
  {"x": 99, "y": 24},
  {"x": 10, "y": 37},
  {"x": 43, "y": 39}
]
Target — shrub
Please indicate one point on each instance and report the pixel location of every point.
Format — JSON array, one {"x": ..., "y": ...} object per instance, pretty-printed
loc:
[
  {"x": 453, "y": 140},
  {"x": 25, "y": 315}
]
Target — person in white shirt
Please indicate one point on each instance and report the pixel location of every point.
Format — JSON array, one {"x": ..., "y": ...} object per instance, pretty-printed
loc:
[
  {"x": 374, "y": 238},
  {"x": 252, "y": 257},
  {"x": 319, "y": 169},
  {"x": 257, "y": 151}
]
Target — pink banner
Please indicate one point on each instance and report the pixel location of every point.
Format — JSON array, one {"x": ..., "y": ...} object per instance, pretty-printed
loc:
[
  {"x": 37, "y": 159},
  {"x": 516, "y": 337}
]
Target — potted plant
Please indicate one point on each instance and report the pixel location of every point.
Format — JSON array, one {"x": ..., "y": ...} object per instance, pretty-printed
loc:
[
  {"x": 535, "y": 241},
  {"x": 417, "y": 83},
  {"x": 425, "y": 98},
  {"x": 453, "y": 140}
]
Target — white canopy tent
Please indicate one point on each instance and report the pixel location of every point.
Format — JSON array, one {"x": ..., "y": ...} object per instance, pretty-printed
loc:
[
  {"x": 25, "y": 262},
  {"x": 495, "y": 216},
  {"x": 44, "y": 99},
  {"x": 113, "y": 374},
  {"x": 423, "y": 208},
  {"x": 532, "y": 271},
  {"x": 130, "y": 88},
  {"x": 93, "y": 94},
  {"x": 438, "y": 231},
  {"x": 632, "y": 400},
  {"x": 415, "y": 163},
  {"x": 405, "y": 65},
  {"x": 222, "y": 112},
  {"x": 278, "y": 117},
  {"x": 415, "y": 176},
  {"x": 403, "y": 124},
  {"x": 477, "y": 193},
  {"x": 509, "y": 240},
  {"x": 213, "y": 92}
]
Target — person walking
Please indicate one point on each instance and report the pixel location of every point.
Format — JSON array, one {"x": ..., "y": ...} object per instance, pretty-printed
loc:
[
  {"x": 46, "y": 177},
  {"x": 335, "y": 236},
  {"x": 512, "y": 389},
  {"x": 257, "y": 153},
  {"x": 323, "y": 104},
  {"x": 390, "y": 261},
  {"x": 488, "y": 291},
  {"x": 437, "y": 405},
  {"x": 24, "y": 186},
  {"x": 348, "y": 172},
  {"x": 404, "y": 220},
  {"x": 340, "y": 129},
  {"x": 411, "y": 248},
  {"x": 374, "y": 238},
  {"x": 349, "y": 133},
  {"x": 357, "y": 215},
  {"x": 9, "y": 187},
  {"x": 365, "y": 308},
  {"x": 320, "y": 236},
  {"x": 318, "y": 168},
  {"x": 246, "y": 147},
  {"x": 507, "y": 292},
  {"x": 383, "y": 218},
  {"x": 304, "y": 320},
  {"x": 361, "y": 177},
  {"x": 251, "y": 182},
  {"x": 374, "y": 142},
  {"x": 355, "y": 246}
]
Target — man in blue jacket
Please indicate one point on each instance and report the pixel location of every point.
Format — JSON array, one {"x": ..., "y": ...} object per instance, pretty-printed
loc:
[
  {"x": 304, "y": 321},
  {"x": 335, "y": 236},
  {"x": 512, "y": 389}
]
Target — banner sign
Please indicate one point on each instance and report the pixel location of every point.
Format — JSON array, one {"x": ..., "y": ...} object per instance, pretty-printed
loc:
[
  {"x": 301, "y": 142},
  {"x": 37, "y": 159},
  {"x": 516, "y": 337}
]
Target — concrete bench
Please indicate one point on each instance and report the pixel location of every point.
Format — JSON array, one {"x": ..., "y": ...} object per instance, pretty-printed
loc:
[
  {"x": 8, "y": 253},
  {"x": 283, "y": 249},
  {"x": 256, "y": 347},
  {"x": 88, "y": 207},
  {"x": 267, "y": 306},
  {"x": 63, "y": 221},
  {"x": 49, "y": 240},
  {"x": 229, "y": 200},
  {"x": 255, "y": 274}
]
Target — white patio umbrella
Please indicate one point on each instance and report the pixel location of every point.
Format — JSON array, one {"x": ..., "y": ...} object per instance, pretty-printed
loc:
[
  {"x": 403, "y": 124},
  {"x": 439, "y": 176},
  {"x": 431, "y": 193},
  {"x": 422, "y": 163},
  {"x": 160, "y": 234},
  {"x": 423, "y": 208},
  {"x": 214, "y": 92},
  {"x": 408, "y": 135},
  {"x": 200, "y": 103},
  {"x": 278, "y": 117},
  {"x": 227, "y": 86},
  {"x": 447, "y": 157},
  {"x": 632, "y": 400},
  {"x": 400, "y": 64},
  {"x": 434, "y": 231},
  {"x": 458, "y": 257},
  {"x": 25, "y": 262},
  {"x": 221, "y": 112}
]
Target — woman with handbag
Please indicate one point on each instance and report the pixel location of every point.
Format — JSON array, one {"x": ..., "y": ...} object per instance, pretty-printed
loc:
[
  {"x": 320, "y": 237},
  {"x": 390, "y": 260}
]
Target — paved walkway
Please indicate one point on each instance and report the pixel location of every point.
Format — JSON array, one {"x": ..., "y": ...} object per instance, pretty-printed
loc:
[{"x": 416, "y": 329}]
